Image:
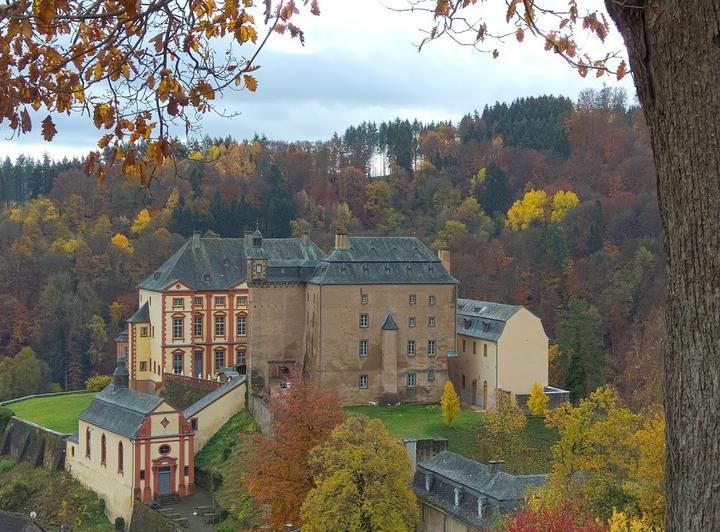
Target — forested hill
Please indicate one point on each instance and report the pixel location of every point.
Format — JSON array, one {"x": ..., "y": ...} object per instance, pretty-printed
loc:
[{"x": 544, "y": 202}]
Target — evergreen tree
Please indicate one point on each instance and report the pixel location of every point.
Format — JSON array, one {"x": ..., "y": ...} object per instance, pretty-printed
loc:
[{"x": 494, "y": 194}]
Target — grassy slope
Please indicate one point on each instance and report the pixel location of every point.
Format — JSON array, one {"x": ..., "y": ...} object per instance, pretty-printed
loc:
[
  {"x": 225, "y": 454},
  {"x": 58, "y": 412},
  {"x": 57, "y": 498},
  {"x": 413, "y": 421}
]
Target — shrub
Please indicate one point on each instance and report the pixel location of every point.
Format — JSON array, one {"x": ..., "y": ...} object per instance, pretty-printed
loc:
[
  {"x": 97, "y": 382},
  {"x": 5, "y": 415},
  {"x": 119, "y": 523}
]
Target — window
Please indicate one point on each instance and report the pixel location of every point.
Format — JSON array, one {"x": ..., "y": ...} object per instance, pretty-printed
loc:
[
  {"x": 431, "y": 375},
  {"x": 462, "y": 382},
  {"x": 178, "y": 302},
  {"x": 198, "y": 301},
  {"x": 72, "y": 450},
  {"x": 241, "y": 301},
  {"x": 241, "y": 325},
  {"x": 484, "y": 350},
  {"x": 363, "y": 349},
  {"x": 364, "y": 321},
  {"x": 411, "y": 321},
  {"x": 363, "y": 299},
  {"x": 411, "y": 348},
  {"x": 186, "y": 472},
  {"x": 177, "y": 363},
  {"x": 463, "y": 345},
  {"x": 258, "y": 268},
  {"x": 142, "y": 474},
  {"x": 164, "y": 449},
  {"x": 121, "y": 458},
  {"x": 219, "y": 325},
  {"x": 363, "y": 383},
  {"x": 143, "y": 366},
  {"x": 194, "y": 424},
  {"x": 219, "y": 360},
  {"x": 431, "y": 300},
  {"x": 103, "y": 450},
  {"x": 432, "y": 347},
  {"x": 474, "y": 348},
  {"x": 241, "y": 358},
  {"x": 177, "y": 328},
  {"x": 198, "y": 365},
  {"x": 431, "y": 321},
  {"x": 413, "y": 299},
  {"x": 87, "y": 442},
  {"x": 219, "y": 301},
  {"x": 143, "y": 332},
  {"x": 198, "y": 325},
  {"x": 411, "y": 380}
]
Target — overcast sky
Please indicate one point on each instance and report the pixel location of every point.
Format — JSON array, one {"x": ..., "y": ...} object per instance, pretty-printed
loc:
[{"x": 360, "y": 62}]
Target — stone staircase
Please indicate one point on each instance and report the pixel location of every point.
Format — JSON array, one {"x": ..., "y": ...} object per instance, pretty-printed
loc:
[{"x": 169, "y": 512}]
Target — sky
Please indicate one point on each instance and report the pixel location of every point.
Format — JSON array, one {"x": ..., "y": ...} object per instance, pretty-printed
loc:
[{"x": 361, "y": 63}]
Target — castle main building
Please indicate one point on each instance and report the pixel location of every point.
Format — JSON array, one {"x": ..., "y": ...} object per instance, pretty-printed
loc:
[{"x": 374, "y": 318}]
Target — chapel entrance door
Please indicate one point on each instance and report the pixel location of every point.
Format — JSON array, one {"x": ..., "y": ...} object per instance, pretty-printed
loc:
[{"x": 164, "y": 481}]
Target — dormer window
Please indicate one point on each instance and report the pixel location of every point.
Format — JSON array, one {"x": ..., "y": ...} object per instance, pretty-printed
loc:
[
  {"x": 467, "y": 323},
  {"x": 258, "y": 268},
  {"x": 458, "y": 496},
  {"x": 428, "y": 482},
  {"x": 206, "y": 277},
  {"x": 480, "y": 506},
  {"x": 486, "y": 326}
]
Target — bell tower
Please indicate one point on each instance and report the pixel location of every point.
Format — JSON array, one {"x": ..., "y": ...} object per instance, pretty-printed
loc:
[{"x": 257, "y": 259}]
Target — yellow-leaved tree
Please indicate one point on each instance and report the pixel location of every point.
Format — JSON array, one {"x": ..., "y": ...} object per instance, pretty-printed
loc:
[
  {"x": 562, "y": 202},
  {"x": 449, "y": 404},
  {"x": 538, "y": 401},
  {"x": 531, "y": 208},
  {"x": 501, "y": 434},
  {"x": 362, "y": 481},
  {"x": 121, "y": 242},
  {"x": 142, "y": 220},
  {"x": 609, "y": 457}
]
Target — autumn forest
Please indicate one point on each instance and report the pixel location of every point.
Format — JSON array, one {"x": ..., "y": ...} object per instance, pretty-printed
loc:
[{"x": 544, "y": 202}]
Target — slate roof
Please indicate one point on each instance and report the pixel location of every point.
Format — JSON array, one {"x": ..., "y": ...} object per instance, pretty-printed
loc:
[
  {"x": 220, "y": 263},
  {"x": 120, "y": 410},
  {"x": 193, "y": 409},
  {"x": 501, "y": 491},
  {"x": 142, "y": 315},
  {"x": 483, "y": 319},
  {"x": 382, "y": 260},
  {"x": 122, "y": 337},
  {"x": 390, "y": 324}
]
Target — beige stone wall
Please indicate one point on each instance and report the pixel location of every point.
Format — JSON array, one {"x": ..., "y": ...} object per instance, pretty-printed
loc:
[
  {"x": 337, "y": 363},
  {"x": 523, "y": 358},
  {"x": 434, "y": 520},
  {"x": 115, "y": 488},
  {"x": 214, "y": 416},
  {"x": 475, "y": 365},
  {"x": 277, "y": 327}
]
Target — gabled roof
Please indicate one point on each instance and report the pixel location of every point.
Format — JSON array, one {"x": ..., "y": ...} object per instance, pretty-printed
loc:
[
  {"x": 448, "y": 470},
  {"x": 382, "y": 260},
  {"x": 483, "y": 319},
  {"x": 120, "y": 410},
  {"x": 142, "y": 315},
  {"x": 220, "y": 263},
  {"x": 390, "y": 324}
]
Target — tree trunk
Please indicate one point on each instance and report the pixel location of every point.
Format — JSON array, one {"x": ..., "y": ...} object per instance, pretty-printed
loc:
[{"x": 674, "y": 51}]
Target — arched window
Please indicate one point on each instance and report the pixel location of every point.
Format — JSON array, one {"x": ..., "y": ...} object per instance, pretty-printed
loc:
[
  {"x": 120, "y": 457},
  {"x": 103, "y": 450},
  {"x": 87, "y": 442}
]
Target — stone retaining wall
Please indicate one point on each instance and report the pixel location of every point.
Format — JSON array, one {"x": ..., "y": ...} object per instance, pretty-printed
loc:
[{"x": 32, "y": 443}]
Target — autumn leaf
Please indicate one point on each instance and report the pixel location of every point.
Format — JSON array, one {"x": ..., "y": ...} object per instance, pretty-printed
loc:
[
  {"x": 621, "y": 70},
  {"x": 48, "y": 128},
  {"x": 250, "y": 83},
  {"x": 519, "y": 34}
]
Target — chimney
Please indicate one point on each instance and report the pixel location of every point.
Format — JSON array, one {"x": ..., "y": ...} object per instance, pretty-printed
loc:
[
  {"x": 341, "y": 241},
  {"x": 444, "y": 256},
  {"x": 496, "y": 466},
  {"x": 121, "y": 377}
]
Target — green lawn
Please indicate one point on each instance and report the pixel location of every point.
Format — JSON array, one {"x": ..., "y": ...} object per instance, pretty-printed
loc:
[
  {"x": 57, "y": 412},
  {"x": 416, "y": 421}
]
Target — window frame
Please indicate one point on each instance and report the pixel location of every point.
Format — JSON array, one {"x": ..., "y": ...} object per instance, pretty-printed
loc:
[
  {"x": 178, "y": 321},
  {"x": 143, "y": 365},
  {"x": 432, "y": 348},
  {"x": 241, "y": 301},
  {"x": 198, "y": 325},
  {"x": 363, "y": 378},
  {"x": 411, "y": 379},
  {"x": 215, "y": 359},
  {"x": 411, "y": 350},
  {"x": 175, "y": 357},
  {"x": 178, "y": 302},
  {"x": 219, "y": 301},
  {"x": 198, "y": 301},
  {"x": 241, "y": 320},
  {"x": 241, "y": 353},
  {"x": 412, "y": 299},
  {"x": 364, "y": 321},
  {"x": 363, "y": 347},
  {"x": 364, "y": 299},
  {"x": 121, "y": 458},
  {"x": 143, "y": 332},
  {"x": 219, "y": 321},
  {"x": 412, "y": 321},
  {"x": 431, "y": 375},
  {"x": 432, "y": 299},
  {"x": 431, "y": 321}
]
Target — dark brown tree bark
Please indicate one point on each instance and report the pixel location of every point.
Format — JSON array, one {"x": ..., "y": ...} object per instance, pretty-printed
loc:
[{"x": 674, "y": 50}]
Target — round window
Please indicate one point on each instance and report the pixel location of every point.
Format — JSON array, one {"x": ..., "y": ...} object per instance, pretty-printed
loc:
[{"x": 164, "y": 449}]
